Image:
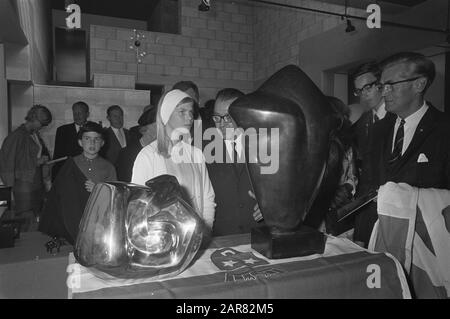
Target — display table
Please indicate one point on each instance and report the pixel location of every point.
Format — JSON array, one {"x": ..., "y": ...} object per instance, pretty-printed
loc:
[
  {"x": 27, "y": 270},
  {"x": 229, "y": 268},
  {"x": 344, "y": 271}
]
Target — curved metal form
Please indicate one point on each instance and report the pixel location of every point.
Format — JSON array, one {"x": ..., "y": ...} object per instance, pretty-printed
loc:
[
  {"x": 133, "y": 231},
  {"x": 291, "y": 102}
]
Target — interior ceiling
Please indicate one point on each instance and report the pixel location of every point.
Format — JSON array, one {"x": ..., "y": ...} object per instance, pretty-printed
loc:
[
  {"x": 128, "y": 9},
  {"x": 142, "y": 9},
  {"x": 387, "y": 6}
]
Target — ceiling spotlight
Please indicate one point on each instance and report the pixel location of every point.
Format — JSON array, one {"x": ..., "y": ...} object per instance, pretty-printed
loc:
[
  {"x": 350, "y": 27},
  {"x": 204, "y": 5}
]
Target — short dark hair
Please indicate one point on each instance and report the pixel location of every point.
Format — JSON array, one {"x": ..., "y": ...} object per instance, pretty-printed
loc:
[
  {"x": 90, "y": 127},
  {"x": 82, "y": 104},
  {"x": 36, "y": 110},
  {"x": 339, "y": 107},
  {"x": 422, "y": 65},
  {"x": 186, "y": 85},
  {"x": 228, "y": 94},
  {"x": 112, "y": 108},
  {"x": 368, "y": 67}
]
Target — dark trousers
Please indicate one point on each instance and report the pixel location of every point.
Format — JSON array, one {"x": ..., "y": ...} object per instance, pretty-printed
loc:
[{"x": 364, "y": 222}]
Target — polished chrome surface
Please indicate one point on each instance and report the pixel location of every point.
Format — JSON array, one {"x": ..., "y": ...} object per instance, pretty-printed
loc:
[{"x": 133, "y": 231}]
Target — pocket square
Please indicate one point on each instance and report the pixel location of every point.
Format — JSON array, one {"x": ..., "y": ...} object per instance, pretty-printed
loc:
[{"x": 422, "y": 158}]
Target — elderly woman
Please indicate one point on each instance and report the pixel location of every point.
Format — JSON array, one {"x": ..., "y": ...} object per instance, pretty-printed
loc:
[
  {"x": 22, "y": 157},
  {"x": 172, "y": 154}
]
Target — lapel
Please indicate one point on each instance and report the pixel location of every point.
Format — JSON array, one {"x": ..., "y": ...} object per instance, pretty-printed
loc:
[
  {"x": 238, "y": 168},
  {"x": 423, "y": 130},
  {"x": 113, "y": 137},
  {"x": 386, "y": 126},
  {"x": 74, "y": 130}
]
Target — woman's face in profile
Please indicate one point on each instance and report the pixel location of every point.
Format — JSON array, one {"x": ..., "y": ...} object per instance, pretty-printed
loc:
[{"x": 182, "y": 117}]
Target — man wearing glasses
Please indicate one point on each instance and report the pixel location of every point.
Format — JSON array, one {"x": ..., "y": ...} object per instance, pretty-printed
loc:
[
  {"x": 237, "y": 210},
  {"x": 21, "y": 158},
  {"x": 414, "y": 146},
  {"x": 365, "y": 80}
]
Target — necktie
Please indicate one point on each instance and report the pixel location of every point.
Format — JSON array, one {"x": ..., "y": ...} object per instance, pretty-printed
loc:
[
  {"x": 121, "y": 138},
  {"x": 235, "y": 154},
  {"x": 398, "y": 142},
  {"x": 375, "y": 118}
]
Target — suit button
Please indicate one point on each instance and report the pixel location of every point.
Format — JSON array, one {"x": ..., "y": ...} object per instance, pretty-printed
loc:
[{"x": 241, "y": 205}]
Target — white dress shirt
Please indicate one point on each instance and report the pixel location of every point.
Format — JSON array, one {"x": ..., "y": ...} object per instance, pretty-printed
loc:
[
  {"x": 381, "y": 112},
  {"x": 122, "y": 140},
  {"x": 409, "y": 127},
  {"x": 237, "y": 144}
]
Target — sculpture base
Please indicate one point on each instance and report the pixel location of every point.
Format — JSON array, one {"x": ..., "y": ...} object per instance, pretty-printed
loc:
[{"x": 303, "y": 242}]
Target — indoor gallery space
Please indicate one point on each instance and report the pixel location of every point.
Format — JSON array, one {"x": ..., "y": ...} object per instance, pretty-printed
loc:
[{"x": 225, "y": 151}]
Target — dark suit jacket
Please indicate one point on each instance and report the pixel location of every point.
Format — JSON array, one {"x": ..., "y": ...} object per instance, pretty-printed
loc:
[
  {"x": 125, "y": 160},
  {"x": 431, "y": 138},
  {"x": 234, "y": 210},
  {"x": 65, "y": 203},
  {"x": 363, "y": 140},
  {"x": 66, "y": 144},
  {"x": 111, "y": 149}
]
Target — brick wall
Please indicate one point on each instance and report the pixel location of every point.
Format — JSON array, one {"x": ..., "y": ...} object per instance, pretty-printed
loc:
[{"x": 214, "y": 49}]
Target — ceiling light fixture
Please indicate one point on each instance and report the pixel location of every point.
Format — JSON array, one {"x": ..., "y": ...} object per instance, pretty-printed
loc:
[
  {"x": 204, "y": 5},
  {"x": 350, "y": 27}
]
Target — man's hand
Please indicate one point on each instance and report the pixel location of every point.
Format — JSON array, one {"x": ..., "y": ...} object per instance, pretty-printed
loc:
[
  {"x": 42, "y": 160},
  {"x": 89, "y": 185},
  {"x": 342, "y": 197},
  {"x": 257, "y": 215}
]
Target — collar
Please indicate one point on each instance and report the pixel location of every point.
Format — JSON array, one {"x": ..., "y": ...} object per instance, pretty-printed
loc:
[
  {"x": 116, "y": 130},
  {"x": 414, "y": 119},
  {"x": 381, "y": 112}
]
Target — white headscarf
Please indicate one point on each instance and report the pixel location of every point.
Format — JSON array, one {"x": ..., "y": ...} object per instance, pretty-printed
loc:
[{"x": 170, "y": 102}]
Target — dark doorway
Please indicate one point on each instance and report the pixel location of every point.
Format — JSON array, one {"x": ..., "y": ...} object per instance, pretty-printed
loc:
[
  {"x": 156, "y": 91},
  {"x": 71, "y": 55}
]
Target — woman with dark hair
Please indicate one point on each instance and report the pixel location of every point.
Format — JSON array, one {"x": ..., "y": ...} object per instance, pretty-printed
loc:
[
  {"x": 343, "y": 141},
  {"x": 22, "y": 156},
  {"x": 73, "y": 184},
  {"x": 172, "y": 154}
]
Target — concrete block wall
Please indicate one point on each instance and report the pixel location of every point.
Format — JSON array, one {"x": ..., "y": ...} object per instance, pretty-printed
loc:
[
  {"x": 59, "y": 100},
  {"x": 214, "y": 49},
  {"x": 279, "y": 31}
]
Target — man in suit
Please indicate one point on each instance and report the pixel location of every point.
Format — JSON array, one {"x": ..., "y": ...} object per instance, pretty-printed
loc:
[
  {"x": 365, "y": 80},
  {"x": 117, "y": 137},
  {"x": 127, "y": 155},
  {"x": 66, "y": 142},
  {"x": 414, "y": 146},
  {"x": 237, "y": 210}
]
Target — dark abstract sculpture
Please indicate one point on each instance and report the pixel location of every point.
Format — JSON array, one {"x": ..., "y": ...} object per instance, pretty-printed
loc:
[
  {"x": 291, "y": 102},
  {"x": 132, "y": 231}
]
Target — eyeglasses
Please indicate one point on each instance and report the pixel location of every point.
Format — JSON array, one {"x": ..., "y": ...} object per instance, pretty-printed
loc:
[
  {"x": 365, "y": 89},
  {"x": 388, "y": 86},
  {"x": 218, "y": 118}
]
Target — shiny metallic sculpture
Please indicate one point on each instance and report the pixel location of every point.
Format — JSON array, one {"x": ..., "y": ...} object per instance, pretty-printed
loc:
[
  {"x": 133, "y": 231},
  {"x": 291, "y": 102}
]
